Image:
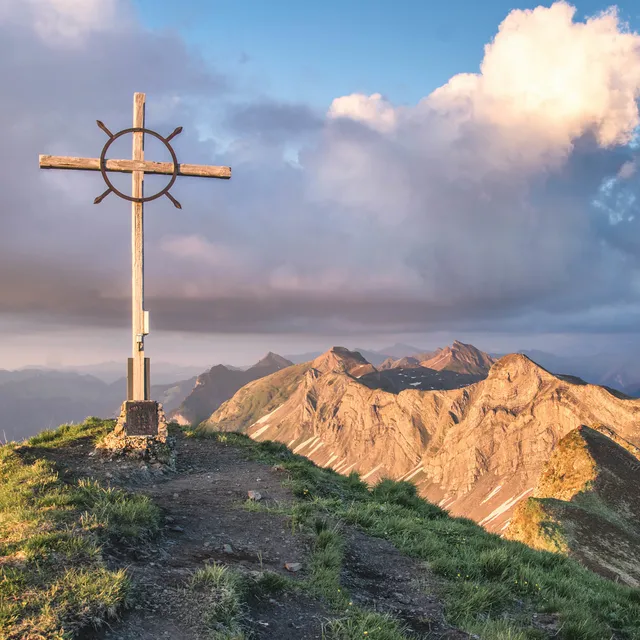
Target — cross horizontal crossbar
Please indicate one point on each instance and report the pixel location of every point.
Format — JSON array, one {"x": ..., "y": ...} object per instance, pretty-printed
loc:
[{"x": 129, "y": 166}]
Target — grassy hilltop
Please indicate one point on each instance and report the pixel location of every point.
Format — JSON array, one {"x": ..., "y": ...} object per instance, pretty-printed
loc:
[
  {"x": 53, "y": 578},
  {"x": 70, "y": 528}
]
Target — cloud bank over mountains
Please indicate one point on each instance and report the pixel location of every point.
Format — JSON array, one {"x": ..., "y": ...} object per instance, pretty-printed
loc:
[{"x": 504, "y": 199}]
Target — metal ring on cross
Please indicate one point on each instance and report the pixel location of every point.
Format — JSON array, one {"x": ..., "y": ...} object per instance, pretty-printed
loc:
[{"x": 124, "y": 196}]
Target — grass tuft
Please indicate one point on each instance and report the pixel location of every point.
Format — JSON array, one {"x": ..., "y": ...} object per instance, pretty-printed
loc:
[
  {"x": 93, "y": 428},
  {"x": 116, "y": 515},
  {"x": 224, "y": 608},
  {"x": 405, "y": 494},
  {"x": 269, "y": 583},
  {"x": 364, "y": 624}
]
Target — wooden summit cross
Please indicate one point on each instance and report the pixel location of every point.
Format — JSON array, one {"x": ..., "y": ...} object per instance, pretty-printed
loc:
[{"x": 138, "y": 371}]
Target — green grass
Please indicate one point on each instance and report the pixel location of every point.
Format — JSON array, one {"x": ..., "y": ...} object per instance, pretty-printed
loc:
[
  {"x": 269, "y": 583},
  {"x": 593, "y": 503},
  {"x": 490, "y": 586},
  {"x": 223, "y": 609},
  {"x": 364, "y": 624},
  {"x": 324, "y": 582},
  {"x": 53, "y": 578},
  {"x": 93, "y": 428},
  {"x": 221, "y": 594},
  {"x": 325, "y": 565}
]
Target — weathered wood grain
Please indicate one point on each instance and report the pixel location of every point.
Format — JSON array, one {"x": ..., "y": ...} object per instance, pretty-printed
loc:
[
  {"x": 137, "y": 252},
  {"x": 128, "y": 166}
]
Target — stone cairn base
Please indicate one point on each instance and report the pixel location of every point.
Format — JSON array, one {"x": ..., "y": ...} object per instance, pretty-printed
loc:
[{"x": 157, "y": 449}]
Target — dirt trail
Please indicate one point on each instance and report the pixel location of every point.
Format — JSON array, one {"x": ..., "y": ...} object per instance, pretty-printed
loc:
[{"x": 205, "y": 521}]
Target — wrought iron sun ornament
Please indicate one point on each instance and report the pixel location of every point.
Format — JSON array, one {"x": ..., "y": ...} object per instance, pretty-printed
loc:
[{"x": 103, "y": 167}]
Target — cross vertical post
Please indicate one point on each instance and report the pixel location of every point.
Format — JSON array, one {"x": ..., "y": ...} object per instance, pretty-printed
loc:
[
  {"x": 141, "y": 416},
  {"x": 139, "y": 388}
]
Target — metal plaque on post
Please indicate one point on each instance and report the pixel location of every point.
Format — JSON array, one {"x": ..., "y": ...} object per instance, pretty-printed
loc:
[{"x": 142, "y": 418}]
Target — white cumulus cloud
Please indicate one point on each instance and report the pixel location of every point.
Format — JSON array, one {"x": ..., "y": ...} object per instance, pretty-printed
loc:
[{"x": 373, "y": 110}]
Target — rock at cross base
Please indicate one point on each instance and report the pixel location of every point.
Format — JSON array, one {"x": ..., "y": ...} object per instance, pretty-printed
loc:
[{"x": 156, "y": 448}]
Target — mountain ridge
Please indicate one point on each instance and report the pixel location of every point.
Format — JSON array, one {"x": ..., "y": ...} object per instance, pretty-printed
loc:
[
  {"x": 477, "y": 450},
  {"x": 461, "y": 358}
]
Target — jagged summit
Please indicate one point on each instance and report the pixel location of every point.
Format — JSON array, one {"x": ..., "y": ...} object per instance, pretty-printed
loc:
[
  {"x": 462, "y": 358},
  {"x": 271, "y": 360},
  {"x": 341, "y": 359},
  {"x": 458, "y": 357},
  {"x": 517, "y": 365}
]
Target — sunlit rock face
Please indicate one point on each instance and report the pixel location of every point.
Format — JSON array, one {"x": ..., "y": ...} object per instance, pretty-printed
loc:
[{"x": 478, "y": 450}]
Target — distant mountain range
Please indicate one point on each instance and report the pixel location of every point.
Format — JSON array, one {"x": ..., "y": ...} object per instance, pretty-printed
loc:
[
  {"x": 161, "y": 372},
  {"x": 32, "y": 400},
  {"x": 35, "y": 398},
  {"x": 478, "y": 450},
  {"x": 218, "y": 384},
  {"x": 617, "y": 370},
  {"x": 459, "y": 357}
]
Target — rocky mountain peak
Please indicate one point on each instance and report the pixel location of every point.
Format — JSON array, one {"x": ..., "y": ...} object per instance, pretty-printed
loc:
[
  {"x": 518, "y": 369},
  {"x": 273, "y": 360},
  {"x": 216, "y": 370},
  {"x": 516, "y": 364},
  {"x": 340, "y": 359},
  {"x": 460, "y": 357}
]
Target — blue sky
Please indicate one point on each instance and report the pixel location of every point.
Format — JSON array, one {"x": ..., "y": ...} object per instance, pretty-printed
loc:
[{"x": 312, "y": 52}]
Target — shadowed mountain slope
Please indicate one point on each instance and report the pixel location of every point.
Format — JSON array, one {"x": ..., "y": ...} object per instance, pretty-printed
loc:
[
  {"x": 220, "y": 383},
  {"x": 586, "y": 503}
]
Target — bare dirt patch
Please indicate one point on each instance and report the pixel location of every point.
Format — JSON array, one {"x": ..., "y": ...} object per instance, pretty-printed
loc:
[{"x": 379, "y": 577}]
